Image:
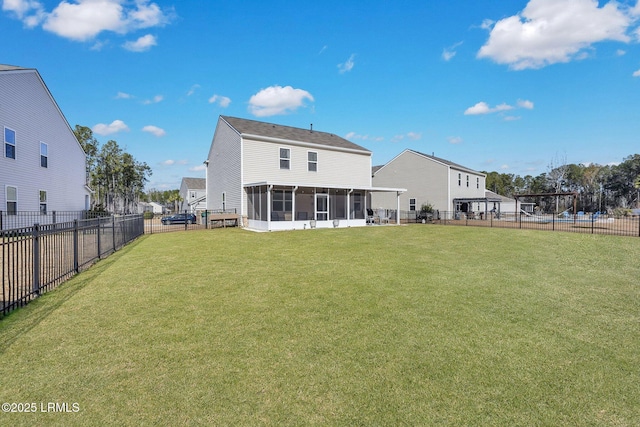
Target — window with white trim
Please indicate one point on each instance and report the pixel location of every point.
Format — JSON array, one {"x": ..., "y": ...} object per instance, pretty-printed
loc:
[
  {"x": 12, "y": 199},
  {"x": 312, "y": 160},
  {"x": 43, "y": 202},
  {"x": 44, "y": 156},
  {"x": 478, "y": 183},
  {"x": 285, "y": 158},
  {"x": 459, "y": 180},
  {"x": 9, "y": 143},
  {"x": 467, "y": 181},
  {"x": 412, "y": 204},
  {"x": 282, "y": 201}
]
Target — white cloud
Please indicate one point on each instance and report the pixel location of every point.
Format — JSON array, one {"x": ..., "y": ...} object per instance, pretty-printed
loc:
[
  {"x": 552, "y": 31},
  {"x": 621, "y": 52},
  {"x": 123, "y": 95},
  {"x": 198, "y": 168},
  {"x": 347, "y": 65},
  {"x": 277, "y": 100},
  {"x": 325, "y": 47},
  {"x": 504, "y": 167},
  {"x": 156, "y": 99},
  {"x": 168, "y": 162},
  {"x": 454, "y": 140},
  {"x": 114, "y": 127},
  {"x": 449, "y": 52},
  {"x": 523, "y": 103},
  {"x": 354, "y": 136},
  {"x": 484, "y": 108},
  {"x": 142, "y": 44},
  {"x": 193, "y": 89},
  {"x": 155, "y": 130},
  {"x": 30, "y": 12},
  {"x": 222, "y": 101},
  {"x": 83, "y": 20},
  {"x": 636, "y": 73}
]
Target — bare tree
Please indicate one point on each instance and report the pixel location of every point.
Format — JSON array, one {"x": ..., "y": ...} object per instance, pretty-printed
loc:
[{"x": 557, "y": 174}]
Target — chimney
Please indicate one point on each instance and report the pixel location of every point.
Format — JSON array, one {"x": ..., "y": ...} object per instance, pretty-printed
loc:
[{"x": 311, "y": 128}]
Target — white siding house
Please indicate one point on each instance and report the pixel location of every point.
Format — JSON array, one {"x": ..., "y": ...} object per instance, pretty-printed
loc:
[
  {"x": 193, "y": 192},
  {"x": 42, "y": 165},
  {"x": 280, "y": 177},
  {"x": 446, "y": 186}
]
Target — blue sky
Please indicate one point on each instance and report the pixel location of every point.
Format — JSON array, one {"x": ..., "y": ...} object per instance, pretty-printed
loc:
[{"x": 507, "y": 86}]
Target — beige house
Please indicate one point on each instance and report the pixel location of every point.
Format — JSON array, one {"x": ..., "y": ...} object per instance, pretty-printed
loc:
[
  {"x": 446, "y": 186},
  {"x": 281, "y": 178}
]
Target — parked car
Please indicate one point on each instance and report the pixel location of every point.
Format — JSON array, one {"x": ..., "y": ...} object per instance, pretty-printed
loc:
[{"x": 183, "y": 218}]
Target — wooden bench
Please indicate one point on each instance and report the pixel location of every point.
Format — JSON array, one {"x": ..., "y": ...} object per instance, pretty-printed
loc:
[{"x": 224, "y": 217}]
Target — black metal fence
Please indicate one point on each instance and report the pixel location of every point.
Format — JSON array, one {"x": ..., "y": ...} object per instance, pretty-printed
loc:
[
  {"x": 202, "y": 219},
  {"x": 36, "y": 259},
  {"x": 580, "y": 223},
  {"x": 19, "y": 219}
]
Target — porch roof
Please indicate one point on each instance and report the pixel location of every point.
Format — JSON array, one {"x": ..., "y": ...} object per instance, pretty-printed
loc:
[{"x": 333, "y": 187}]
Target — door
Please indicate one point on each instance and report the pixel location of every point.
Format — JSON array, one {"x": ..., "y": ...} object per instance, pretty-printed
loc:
[{"x": 322, "y": 207}]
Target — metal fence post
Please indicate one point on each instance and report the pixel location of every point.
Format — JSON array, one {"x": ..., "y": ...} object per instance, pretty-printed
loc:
[
  {"x": 99, "y": 232},
  {"x": 76, "y": 266},
  {"x": 113, "y": 231},
  {"x": 36, "y": 259}
]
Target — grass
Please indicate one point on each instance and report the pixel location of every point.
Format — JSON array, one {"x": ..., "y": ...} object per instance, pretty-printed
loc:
[{"x": 415, "y": 325}]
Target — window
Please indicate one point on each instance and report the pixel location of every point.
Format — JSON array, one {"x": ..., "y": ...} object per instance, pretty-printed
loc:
[
  {"x": 9, "y": 143},
  {"x": 467, "y": 181},
  {"x": 285, "y": 158},
  {"x": 282, "y": 201},
  {"x": 224, "y": 201},
  {"x": 312, "y": 158},
  {"x": 12, "y": 200},
  {"x": 412, "y": 204},
  {"x": 43, "y": 154},
  {"x": 192, "y": 194},
  {"x": 43, "y": 202},
  {"x": 459, "y": 180},
  {"x": 477, "y": 182}
]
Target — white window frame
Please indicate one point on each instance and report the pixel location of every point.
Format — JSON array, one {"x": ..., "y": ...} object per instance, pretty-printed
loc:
[
  {"x": 459, "y": 180},
  {"x": 312, "y": 165},
  {"x": 43, "y": 203},
  {"x": 477, "y": 183},
  {"x": 44, "y": 156},
  {"x": 6, "y": 143},
  {"x": 7, "y": 200},
  {"x": 412, "y": 204},
  {"x": 467, "y": 181},
  {"x": 285, "y": 162}
]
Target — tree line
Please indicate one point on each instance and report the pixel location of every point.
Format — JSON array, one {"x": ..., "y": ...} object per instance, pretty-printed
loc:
[
  {"x": 598, "y": 187},
  {"x": 116, "y": 178}
]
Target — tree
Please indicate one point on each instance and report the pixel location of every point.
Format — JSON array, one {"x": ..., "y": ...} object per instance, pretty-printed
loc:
[{"x": 115, "y": 176}]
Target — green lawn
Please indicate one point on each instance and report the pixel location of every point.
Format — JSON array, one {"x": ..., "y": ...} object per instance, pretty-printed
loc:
[{"x": 376, "y": 326}]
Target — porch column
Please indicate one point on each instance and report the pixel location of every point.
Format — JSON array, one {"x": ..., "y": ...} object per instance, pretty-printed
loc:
[
  {"x": 293, "y": 203},
  {"x": 398, "y": 207},
  {"x": 269, "y": 188}
]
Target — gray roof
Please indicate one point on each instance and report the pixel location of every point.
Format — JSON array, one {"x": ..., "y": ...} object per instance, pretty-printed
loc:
[
  {"x": 195, "y": 183},
  {"x": 5, "y": 67},
  {"x": 270, "y": 130},
  {"x": 447, "y": 162}
]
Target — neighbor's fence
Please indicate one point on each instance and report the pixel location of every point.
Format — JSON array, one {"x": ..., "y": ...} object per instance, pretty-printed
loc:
[
  {"x": 580, "y": 223},
  {"x": 202, "y": 219},
  {"x": 19, "y": 219},
  {"x": 36, "y": 259}
]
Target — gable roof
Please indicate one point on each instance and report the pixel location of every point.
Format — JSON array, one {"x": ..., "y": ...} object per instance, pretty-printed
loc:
[
  {"x": 447, "y": 162},
  {"x": 5, "y": 67},
  {"x": 195, "y": 183},
  {"x": 287, "y": 133}
]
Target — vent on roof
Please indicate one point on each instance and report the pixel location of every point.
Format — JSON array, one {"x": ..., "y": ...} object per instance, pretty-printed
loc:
[{"x": 311, "y": 128}]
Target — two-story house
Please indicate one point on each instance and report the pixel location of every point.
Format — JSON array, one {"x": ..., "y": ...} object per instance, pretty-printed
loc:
[
  {"x": 446, "y": 186},
  {"x": 280, "y": 177},
  {"x": 42, "y": 164},
  {"x": 193, "y": 192}
]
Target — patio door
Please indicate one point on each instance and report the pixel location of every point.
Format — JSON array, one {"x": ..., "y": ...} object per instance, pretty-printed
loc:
[{"x": 322, "y": 207}]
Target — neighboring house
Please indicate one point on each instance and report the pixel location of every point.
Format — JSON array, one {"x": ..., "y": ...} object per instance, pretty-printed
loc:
[
  {"x": 193, "y": 192},
  {"x": 154, "y": 207},
  {"x": 280, "y": 177},
  {"x": 446, "y": 186},
  {"x": 42, "y": 165},
  {"x": 506, "y": 204}
]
